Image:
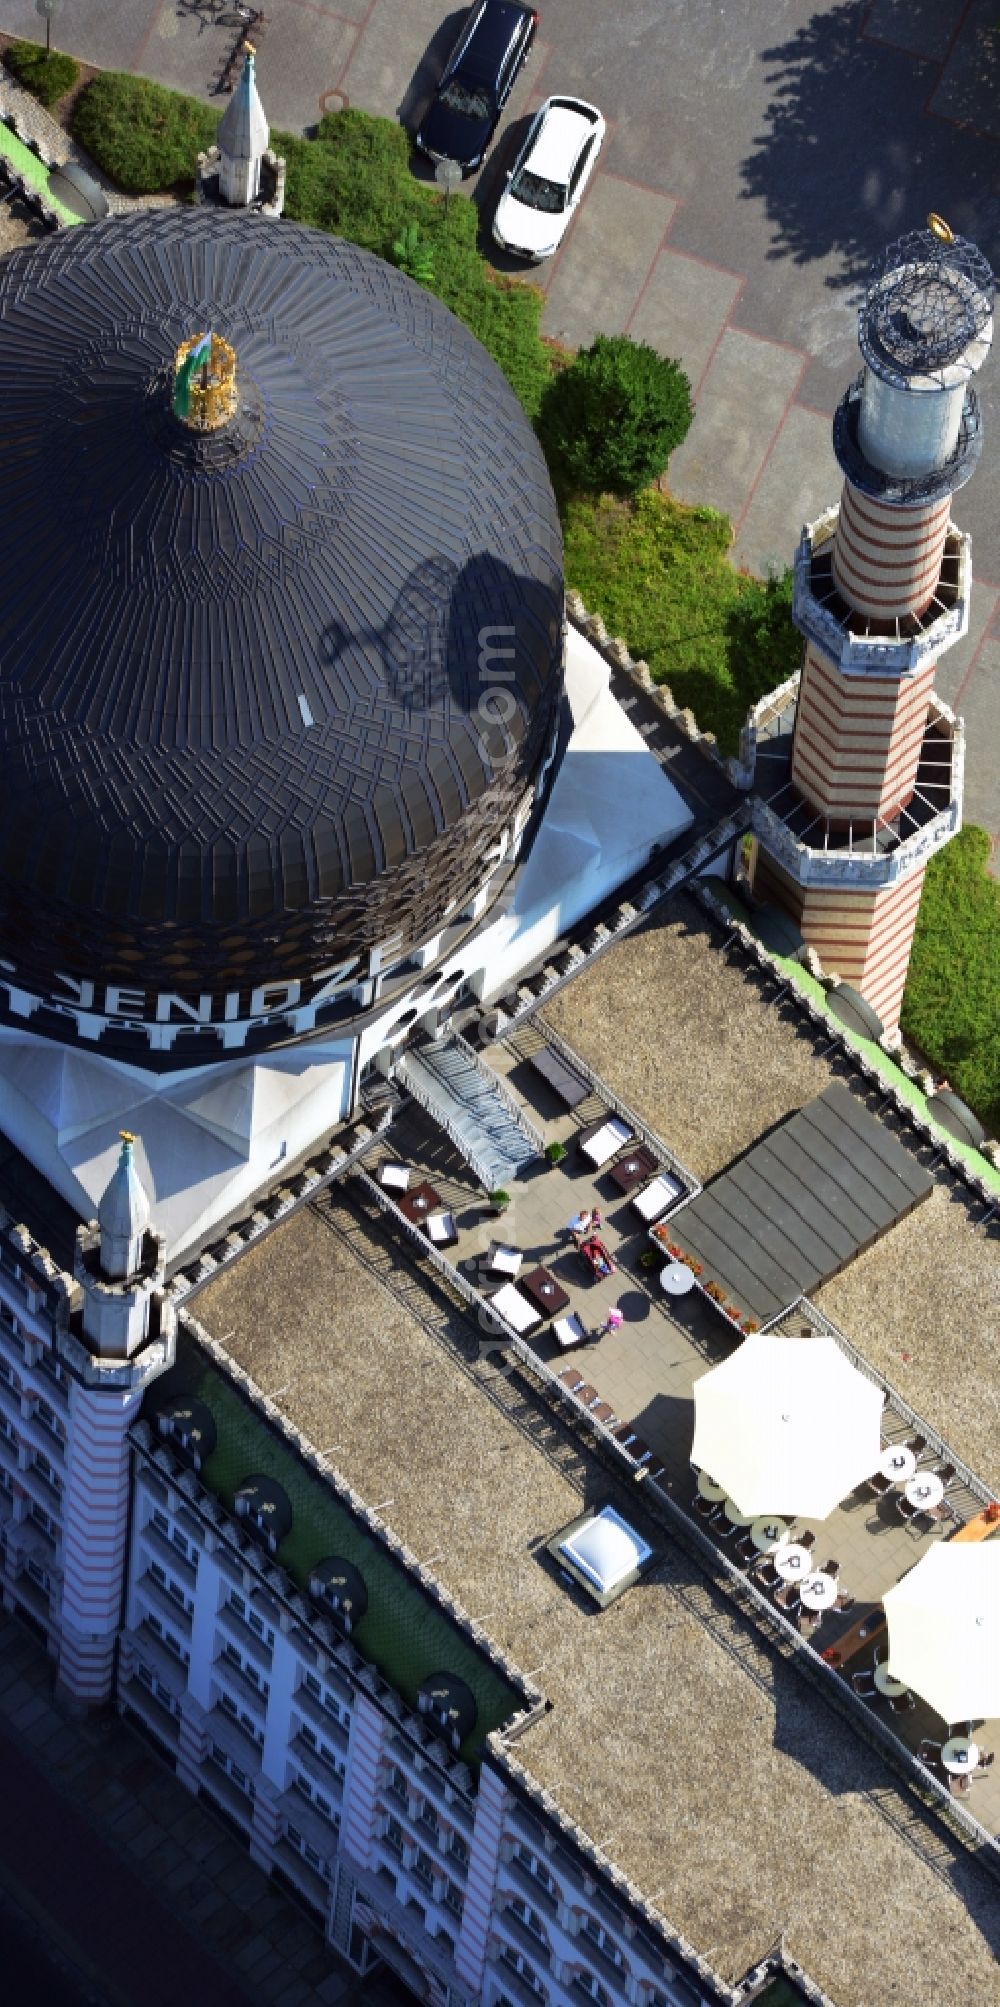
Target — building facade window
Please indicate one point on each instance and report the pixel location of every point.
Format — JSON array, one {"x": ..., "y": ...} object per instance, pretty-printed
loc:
[
  {"x": 536, "y": 1868},
  {"x": 528, "y": 1918},
  {"x": 589, "y": 1988},
  {"x": 603, "y": 1940},
  {"x": 523, "y": 1967},
  {"x": 331, "y": 1757}
]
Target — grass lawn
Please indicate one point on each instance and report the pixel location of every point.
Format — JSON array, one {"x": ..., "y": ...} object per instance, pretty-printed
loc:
[
  {"x": 951, "y": 1007},
  {"x": 47, "y": 77},
  {"x": 656, "y": 570}
]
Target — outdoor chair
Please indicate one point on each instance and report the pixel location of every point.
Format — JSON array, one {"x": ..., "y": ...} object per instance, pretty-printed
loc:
[
  {"x": 917, "y": 1445},
  {"x": 864, "y": 1685},
  {"x": 987, "y": 1758},
  {"x": 845, "y": 1602},
  {"x": 929, "y": 1751},
  {"x": 960, "y": 1785},
  {"x": 805, "y": 1539},
  {"x": 947, "y": 1473},
  {"x": 706, "y": 1508},
  {"x": 907, "y": 1512},
  {"x": 655, "y": 1469},
  {"x": 808, "y": 1621},
  {"x": 571, "y": 1379},
  {"x": 903, "y": 1703},
  {"x": 787, "y": 1598},
  {"x": 603, "y": 1411},
  {"x": 831, "y": 1568},
  {"x": 746, "y": 1550},
  {"x": 502, "y": 1259},
  {"x": 877, "y": 1484}
]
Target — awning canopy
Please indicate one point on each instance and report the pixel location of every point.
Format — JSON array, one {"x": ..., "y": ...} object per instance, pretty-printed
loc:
[
  {"x": 788, "y": 1425},
  {"x": 944, "y": 1630}
]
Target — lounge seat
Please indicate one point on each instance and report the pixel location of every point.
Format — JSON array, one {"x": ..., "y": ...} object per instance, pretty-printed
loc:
[
  {"x": 568, "y": 1331},
  {"x": 440, "y": 1228},
  {"x": 603, "y": 1139}
]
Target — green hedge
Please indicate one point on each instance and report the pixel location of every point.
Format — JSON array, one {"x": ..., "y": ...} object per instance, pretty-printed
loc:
[
  {"x": 47, "y": 77},
  {"x": 658, "y": 573},
  {"x": 145, "y": 137},
  {"x": 951, "y": 1007}
]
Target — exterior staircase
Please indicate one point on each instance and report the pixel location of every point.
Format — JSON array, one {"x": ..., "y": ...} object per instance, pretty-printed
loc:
[{"x": 474, "y": 1108}]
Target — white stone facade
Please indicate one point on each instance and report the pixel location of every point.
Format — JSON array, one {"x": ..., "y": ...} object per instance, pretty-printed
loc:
[{"x": 347, "y": 1794}]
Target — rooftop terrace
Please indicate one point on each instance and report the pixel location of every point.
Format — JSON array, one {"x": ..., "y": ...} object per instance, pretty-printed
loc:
[{"x": 680, "y": 1741}]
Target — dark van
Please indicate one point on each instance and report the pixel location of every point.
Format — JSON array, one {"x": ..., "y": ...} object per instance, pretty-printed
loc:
[{"x": 477, "y": 81}]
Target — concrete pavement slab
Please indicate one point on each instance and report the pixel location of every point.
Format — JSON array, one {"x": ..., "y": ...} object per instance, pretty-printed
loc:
[
  {"x": 799, "y": 479},
  {"x": 608, "y": 253},
  {"x": 742, "y": 401},
  {"x": 967, "y": 92},
  {"x": 103, "y": 32},
  {"x": 955, "y": 665},
  {"x": 302, "y": 56},
  {"x": 923, "y": 27},
  {"x": 683, "y": 309},
  {"x": 393, "y": 52},
  {"x": 978, "y": 704}
]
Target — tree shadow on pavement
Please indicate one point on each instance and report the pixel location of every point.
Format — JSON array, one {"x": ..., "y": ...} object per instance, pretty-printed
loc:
[{"x": 848, "y": 159}]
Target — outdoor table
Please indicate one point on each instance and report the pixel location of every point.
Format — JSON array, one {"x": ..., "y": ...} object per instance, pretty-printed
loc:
[
  {"x": 898, "y": 1463},
  {"x": 677, "y": 1278},
  {"x": 792, "y": 1562},
  {"x": 542, "y": 1289},
  {"x": 886, "y": 1683},
  {"x": 818, "y": 1592},
  {"x": 634, "y": 1169},
  {"x": 709, "y": 1489},
  {"x": 734, "y": 1515},
  {"x": 417, "y": 1204},
  {"x": 925, "y": 1491},
  {"x": 767, "y": 1534},
  {"x": 960, "y": 1754}
]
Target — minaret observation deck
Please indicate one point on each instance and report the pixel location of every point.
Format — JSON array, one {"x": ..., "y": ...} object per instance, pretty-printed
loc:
[{"x": 860, "y": 768}]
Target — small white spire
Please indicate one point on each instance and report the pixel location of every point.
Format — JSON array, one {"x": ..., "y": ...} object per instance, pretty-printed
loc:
[
  {"x": 123, "y": 1216},
  {"x": 244, "y": 137}
]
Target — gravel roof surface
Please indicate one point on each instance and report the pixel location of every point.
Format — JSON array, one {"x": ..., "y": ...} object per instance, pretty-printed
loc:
[
  {"x": 720, "y": 1784},
  {"x": 706, "y": 1060}
]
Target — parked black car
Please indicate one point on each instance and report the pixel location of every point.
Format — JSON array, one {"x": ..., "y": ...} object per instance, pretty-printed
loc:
[{"x": 477, "y": 81}]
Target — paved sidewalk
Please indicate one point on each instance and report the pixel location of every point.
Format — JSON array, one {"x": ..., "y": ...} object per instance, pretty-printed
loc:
[{"x": 142, "y": 1894}]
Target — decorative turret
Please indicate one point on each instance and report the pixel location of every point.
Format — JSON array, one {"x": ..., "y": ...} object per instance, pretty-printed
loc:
[
  {"x": 123, "y": 1216},
  {"x": 128, "y": 1329},
  {"x": 120, "y": 1264},
  {"x": 861, "y": 776},
  {"x": 241, "y": 171},
  {"x": 244, "y": 138}
]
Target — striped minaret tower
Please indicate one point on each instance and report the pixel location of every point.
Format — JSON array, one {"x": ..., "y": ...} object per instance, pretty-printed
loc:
[
  {"x": 127, "y": 1327},
  {"x": 866, "y": 784}
]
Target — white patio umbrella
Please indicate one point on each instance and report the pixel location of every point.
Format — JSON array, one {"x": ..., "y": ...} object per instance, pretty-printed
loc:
[
  {"x": 788, "y": 1425},
  {"x": 944, "y": 1630}
]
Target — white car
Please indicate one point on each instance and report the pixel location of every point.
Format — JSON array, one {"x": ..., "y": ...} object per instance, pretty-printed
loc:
[{"x": 545, "y": 187}]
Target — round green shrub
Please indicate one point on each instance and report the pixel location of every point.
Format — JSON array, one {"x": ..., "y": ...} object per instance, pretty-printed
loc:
[
  {"x": 611, "y": 420},
  {"x": 47, "y": 77}
]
